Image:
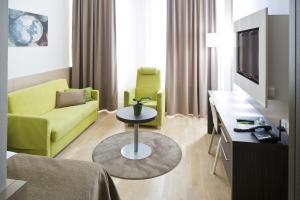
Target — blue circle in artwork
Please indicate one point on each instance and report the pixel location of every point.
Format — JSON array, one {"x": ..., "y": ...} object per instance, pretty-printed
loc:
[{"x": 26, "y": 30}]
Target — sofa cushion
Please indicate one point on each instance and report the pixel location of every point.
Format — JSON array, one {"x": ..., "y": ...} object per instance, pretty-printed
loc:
[
  {"x": 63, "y": 120},
  {"x": 36, "y": 100},
  {"x": 88, "y": 92},
  {"x": 70, "y": 98}
]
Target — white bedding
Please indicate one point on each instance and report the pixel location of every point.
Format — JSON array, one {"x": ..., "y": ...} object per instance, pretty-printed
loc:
[{"x": 9, "y": 154}]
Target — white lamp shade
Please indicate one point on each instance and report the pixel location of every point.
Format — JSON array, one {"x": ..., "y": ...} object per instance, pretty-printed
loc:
[{"x": 211, "y": 40}]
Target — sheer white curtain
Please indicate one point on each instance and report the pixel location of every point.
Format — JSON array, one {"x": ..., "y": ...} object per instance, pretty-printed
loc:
[
  {"x": 141, "y": 39},
  {"x": 225, "y": 43}
]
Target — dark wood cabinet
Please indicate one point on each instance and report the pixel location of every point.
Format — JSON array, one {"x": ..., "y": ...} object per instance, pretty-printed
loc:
[{"x": 255, "y": 170}]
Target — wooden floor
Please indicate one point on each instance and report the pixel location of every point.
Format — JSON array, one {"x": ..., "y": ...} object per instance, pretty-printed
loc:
[{"x": 190, "y": 180}]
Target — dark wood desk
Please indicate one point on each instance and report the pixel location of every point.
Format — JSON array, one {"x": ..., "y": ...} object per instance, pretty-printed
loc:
[{"x": 255, "y": 170}]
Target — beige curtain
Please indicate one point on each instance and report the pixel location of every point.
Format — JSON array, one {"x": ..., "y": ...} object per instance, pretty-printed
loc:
[
  {"x": 94, "y": 49},
  {"x": 189, "y": 72}
]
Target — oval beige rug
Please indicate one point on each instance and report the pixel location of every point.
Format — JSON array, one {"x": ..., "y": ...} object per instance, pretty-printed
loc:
[{"x": 165, "y": 156}]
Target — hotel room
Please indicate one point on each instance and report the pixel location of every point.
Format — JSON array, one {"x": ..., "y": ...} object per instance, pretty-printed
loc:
[{"x": 149, "y": 99}]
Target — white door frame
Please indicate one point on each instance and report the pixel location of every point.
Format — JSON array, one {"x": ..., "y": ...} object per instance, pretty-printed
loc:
[{"x": 3, "y": 90}]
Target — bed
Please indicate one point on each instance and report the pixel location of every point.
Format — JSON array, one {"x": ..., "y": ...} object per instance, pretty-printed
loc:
[{"x": 49, "y": 178}]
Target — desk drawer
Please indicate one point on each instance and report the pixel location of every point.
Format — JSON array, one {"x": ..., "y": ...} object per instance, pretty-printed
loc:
[
  {"x": 225, "y": 134},
  {"x": 226, "y": 154},
  {"x": 226, "y": 144}
]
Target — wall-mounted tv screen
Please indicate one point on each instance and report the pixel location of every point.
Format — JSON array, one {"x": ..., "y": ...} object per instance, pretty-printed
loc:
[{"x": 248, "y": 54}]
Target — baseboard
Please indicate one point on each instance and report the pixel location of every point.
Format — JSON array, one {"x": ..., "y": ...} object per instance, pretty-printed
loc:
[
  {"x": 15, "y": 190},
  {"x": 35, "y": 79}
]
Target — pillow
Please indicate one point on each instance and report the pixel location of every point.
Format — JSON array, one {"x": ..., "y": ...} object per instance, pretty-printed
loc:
[
  {"x": 88, "y": 92},
  {"x": 148, "y": 70},
  {"x": 70, "y": 98}
]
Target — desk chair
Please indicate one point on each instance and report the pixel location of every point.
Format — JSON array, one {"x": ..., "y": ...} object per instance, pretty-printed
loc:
[
  {"x": 215, "y": 131},
  {"x": 216, "y": 157},
  {"x": 215, "y": 122}
]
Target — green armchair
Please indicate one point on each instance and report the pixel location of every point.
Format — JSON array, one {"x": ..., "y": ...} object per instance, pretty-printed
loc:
[{"x": 148, "y": 85}]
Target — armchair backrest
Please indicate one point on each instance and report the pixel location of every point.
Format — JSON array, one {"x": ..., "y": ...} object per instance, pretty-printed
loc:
[{"x": 147, "y": 82}]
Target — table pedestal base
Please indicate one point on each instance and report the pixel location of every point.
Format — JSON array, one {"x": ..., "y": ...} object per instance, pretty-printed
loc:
[{"x": 144, "y": 151}]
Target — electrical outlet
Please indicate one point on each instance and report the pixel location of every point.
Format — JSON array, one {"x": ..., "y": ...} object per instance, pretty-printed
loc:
[
  {"x": 271, "y": 93},
  {"x": 285, "y": 125}
]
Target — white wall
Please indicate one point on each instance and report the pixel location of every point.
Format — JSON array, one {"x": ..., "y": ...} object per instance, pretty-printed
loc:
[
  {"x": 24, "y": 61},
  {"x": 242, "y": 8}
]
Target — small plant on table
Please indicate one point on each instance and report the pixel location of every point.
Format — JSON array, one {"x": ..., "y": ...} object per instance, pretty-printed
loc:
[{"x": 137, "y": 107}]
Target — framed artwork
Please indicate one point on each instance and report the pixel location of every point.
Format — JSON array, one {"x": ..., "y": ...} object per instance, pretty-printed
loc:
[{"x": 27, "y": 29}]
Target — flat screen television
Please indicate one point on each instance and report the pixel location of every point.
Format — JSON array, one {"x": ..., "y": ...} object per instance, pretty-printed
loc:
[{"x": 248, "y": 54}]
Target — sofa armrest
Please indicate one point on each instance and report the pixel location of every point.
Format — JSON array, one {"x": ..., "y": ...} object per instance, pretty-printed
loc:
[
  {"x": 128, "y": 97},
  {"x": 96, "y": 97},
  {"x": 28, "y": 132}
]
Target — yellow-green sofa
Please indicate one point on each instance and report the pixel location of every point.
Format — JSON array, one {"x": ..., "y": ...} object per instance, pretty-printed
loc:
[{"x": 35, "y": 126}]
